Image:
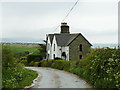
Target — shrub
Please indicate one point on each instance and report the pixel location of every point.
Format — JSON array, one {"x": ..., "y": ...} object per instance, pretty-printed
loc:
[
  {"x": 24, "y": 62},
  {"x": 36, "y": 64},
  {"x": 34, "y": 57},
  {"x": 7, "y": 58},
  {"x": 23, "y": 58},
  {"x": 46, "y": 63},
  {"x": 14, "y": 75},
  {"x": 103, "y": 67}
]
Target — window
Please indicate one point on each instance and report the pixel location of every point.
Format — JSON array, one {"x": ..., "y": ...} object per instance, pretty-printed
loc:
[
  {"x": 64, "y": 55},
  {"x": 80, "y": 56},
  {"x": 54, "y": 47},
  {"x": 80, "y": 47}
]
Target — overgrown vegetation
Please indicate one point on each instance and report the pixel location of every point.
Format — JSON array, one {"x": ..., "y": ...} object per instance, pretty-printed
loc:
[
  {"x": 101, "y": 67},
  {"x": 14, "y": 75}
]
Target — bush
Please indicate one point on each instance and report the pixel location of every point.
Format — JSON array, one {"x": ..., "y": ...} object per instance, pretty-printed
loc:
[
  {"x": 36, "y": 64},
  {"x": 23, "y": 58},
  {"x": 14, "y": 75},
  {"x": 24, "y": 62},
  {"x": 34, "y": 57},
  {"x": 46, "y": 63},
  {"x": 7, "y": 58}
]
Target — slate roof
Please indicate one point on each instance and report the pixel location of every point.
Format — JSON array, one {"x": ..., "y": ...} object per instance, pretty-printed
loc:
[{"x": 65, "y": 39}]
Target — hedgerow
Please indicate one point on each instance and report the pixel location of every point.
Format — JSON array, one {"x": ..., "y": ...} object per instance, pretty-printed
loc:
[
  {"x": 34, "y": 57},
  {"x": 14, "y": 75}
]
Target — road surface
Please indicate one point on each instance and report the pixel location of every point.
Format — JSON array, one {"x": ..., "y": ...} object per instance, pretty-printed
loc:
[{"x": 53, "y": 78}]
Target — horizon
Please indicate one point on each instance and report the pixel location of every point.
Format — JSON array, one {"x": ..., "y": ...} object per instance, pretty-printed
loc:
[{"x": 94, "y": 45}]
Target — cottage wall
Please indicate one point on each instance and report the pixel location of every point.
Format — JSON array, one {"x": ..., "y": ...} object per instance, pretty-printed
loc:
[
  {"x": 66, "y": 50},
  {"x": 48, "y": 48},
  {"x": 58, "y": 50},
  {"x": 74, "y": 51},
  {"x": 54, "y": 52}
]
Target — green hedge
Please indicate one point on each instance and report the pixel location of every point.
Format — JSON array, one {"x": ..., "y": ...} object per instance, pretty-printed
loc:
[
  {"x": 100, "y": 68},
  {"x": 14, "y": 75},
  {"x": 34, "y": 57}
]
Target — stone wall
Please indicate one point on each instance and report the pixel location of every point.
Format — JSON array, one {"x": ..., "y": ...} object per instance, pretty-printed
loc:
[{"x": 74, "y": 50}]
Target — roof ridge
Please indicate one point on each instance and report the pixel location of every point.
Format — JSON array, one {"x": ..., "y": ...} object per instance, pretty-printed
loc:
[{"x": 66, "y": 33}]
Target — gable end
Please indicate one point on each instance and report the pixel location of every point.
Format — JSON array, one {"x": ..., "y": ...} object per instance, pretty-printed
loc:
[{"x": 77, "y": 36}]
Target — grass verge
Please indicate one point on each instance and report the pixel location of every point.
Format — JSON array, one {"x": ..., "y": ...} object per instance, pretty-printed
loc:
[
  {"x": 15, "y": 78},
  {"x": 28, "y": 78}
]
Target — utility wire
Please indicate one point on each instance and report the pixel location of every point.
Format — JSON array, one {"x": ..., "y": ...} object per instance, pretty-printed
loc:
[
  {"x": 67, "y": 14},
  {"x": 70, "y": 10}
]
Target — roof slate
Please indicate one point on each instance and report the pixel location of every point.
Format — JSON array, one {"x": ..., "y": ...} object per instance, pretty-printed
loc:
[{"x": 65, "y": 39}]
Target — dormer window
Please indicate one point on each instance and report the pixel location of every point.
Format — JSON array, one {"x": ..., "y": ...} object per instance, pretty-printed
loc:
[
  {"x": 80, "y": 47},
  {"x": 54, "y": 47}
]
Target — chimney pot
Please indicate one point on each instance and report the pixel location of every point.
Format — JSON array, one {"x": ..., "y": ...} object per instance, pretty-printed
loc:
[{"x": 64, "y": 28}]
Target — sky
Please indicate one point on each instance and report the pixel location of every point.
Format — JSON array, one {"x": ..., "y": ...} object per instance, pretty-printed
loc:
[{"x": 30, "y": 20}]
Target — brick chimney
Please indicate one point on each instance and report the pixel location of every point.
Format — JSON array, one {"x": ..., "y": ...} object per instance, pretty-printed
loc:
[{"x": 64, "y": 28}]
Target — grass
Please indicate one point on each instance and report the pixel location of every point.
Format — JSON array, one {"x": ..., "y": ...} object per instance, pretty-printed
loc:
[
  {"x": 20, "y": 49},
  {"x": 28, "y": 78},
  {"x": 18, "y": 79}
]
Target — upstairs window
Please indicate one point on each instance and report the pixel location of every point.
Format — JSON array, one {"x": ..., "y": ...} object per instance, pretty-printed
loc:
[
  {"x": 80, "y": 47},
  {"x": 54, "y": 47}
]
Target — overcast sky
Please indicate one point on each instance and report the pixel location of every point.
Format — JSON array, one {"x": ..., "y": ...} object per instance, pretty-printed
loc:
[{"x": 24, "y": 21}]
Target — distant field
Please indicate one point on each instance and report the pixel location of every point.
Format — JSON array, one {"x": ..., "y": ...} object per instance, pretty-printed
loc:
[{"x": 21, "y": 49}]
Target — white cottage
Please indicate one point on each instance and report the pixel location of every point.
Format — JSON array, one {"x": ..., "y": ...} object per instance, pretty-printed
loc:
[{"x": 66, "y": 45}]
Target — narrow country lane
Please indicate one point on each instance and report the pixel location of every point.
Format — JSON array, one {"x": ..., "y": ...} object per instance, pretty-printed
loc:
[{"x": 53, "y": 78}]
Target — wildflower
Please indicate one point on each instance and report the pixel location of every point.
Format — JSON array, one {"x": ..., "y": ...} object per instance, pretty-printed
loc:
[
  {"x": 110, "y": 79},
  {"x": 117, "y": 85},
  {"x": 90, "y": 67},
  {"x": 110, "y": 60},
  {"x": 102, "y": 67},
  {"x": 107, "y": 71}
]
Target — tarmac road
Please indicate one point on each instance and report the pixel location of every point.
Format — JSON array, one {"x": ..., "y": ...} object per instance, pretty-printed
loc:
[{"x": 53, "y": 78}]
